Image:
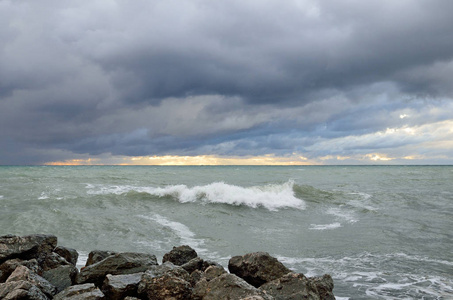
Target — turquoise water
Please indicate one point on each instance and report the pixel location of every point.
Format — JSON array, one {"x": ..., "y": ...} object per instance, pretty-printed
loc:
[{"x": 382, "y": 232}]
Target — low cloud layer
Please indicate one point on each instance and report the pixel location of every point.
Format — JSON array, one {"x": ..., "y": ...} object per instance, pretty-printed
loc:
[{"x": 333, "y": 82}]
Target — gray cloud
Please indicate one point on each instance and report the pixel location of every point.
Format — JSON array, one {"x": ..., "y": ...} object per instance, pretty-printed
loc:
[{"x": 227, "y": 77}]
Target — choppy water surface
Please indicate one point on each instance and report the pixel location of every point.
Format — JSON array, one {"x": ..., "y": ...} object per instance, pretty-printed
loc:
[{"x": 382, "y": 232}]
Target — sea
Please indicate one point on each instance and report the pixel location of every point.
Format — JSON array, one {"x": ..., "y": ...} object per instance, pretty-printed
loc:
[{"x": 381, "y": 232}]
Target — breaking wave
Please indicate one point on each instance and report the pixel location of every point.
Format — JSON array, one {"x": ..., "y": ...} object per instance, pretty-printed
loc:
[{"x": 271, "y": 196}]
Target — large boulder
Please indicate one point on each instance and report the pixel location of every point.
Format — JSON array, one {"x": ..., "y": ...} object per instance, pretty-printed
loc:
[
  {"x": 69, "y": 254},
  {"x": 324, "y": 285},
  {"x": 226, "y": 287},
  {"x": 23, "y": 273},
  {"x": 9, "y": 266},
  {"x": 58, "y": 270},
  {"x": 257, "y": 268},
  {"x": 166, "y": 281},
  {"x": 98, "y": 255},
  {"x": 118, "y": 264},
  {"x": 116, "y": 287},
  {"x": 26, "y": 247},
  {"x": 291, "y": 286},
  {"x": 180, "y": 255},
  {"x": 193, "y": 264},
  {"x": 15, "y": 290},
  {"x": 86, "y": 291}
]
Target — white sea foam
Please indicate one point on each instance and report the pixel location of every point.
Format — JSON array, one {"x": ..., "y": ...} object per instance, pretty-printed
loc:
[
  {"x": 43, "y": 196},
  {"x": 186, "y": 236},
  {"x": 1, "y": 196},
  {"x": 272, "y": 196},
  {"x": 82, "y": 259},
  {"x": 325, "y": 226},
  {"x": 342, "y": 214}
]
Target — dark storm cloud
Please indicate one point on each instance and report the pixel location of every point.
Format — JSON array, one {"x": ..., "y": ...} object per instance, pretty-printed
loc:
[{"x": 223, "y": 77}]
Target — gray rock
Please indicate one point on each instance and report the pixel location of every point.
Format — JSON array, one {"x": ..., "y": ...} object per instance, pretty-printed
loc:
[
  {"x": 193, "y": 264},
  {"x": 168, "y": 286},
  {"x": 86, "y": 291},
  {"x": 324, "y": 285},
  {"x": 9, "y": 266},
  {"x": 118, "y": 264},
  {"x": 98, "y": 255},
  {"x": 166, "y": 269},
  {"x": 22, "y": 290},
  {"x": 291, "y": 286},
  {"x": 69, "y": 254},
  {"x": 22, "y": 273},
  {"x": 117, "y": 287},
  {"x": 213, "y": 272},
  {"x": 226, "y": 287},
  {"x": 257, "y": 268},
  {"x": 180, "y": 255},
  {"x": 208, "y": 263},
  {"x": 26, "y": 247},
  {"x": 62, "y": 276},
  {"x": 195, "y": 276}
]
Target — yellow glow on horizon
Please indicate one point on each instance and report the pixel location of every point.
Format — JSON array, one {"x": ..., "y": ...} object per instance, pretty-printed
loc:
[{"x": 199, "y": 160}]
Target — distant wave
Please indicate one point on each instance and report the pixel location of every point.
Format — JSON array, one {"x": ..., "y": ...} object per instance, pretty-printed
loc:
[{"x": 271, "y": 196}]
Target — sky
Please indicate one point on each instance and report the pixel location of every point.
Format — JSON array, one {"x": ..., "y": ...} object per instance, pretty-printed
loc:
[{"x": 226, "y": 82}]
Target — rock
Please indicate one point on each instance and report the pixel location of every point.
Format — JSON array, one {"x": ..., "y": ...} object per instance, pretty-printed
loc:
[
  {"x": 208, "y": 263},
  {"x": 22, "y": 289},
  {"x": 168, "y": 287},
  {"x": 26, "y": 247},
  {"x": 117, "y": 287},
  {"x": 193, "y": 264},
  {"x": 9, "y": 266},
  {"x": 195, "y": 276},
  {"x": 62, "y": 276},
  {"x": 213, "y": 272},
  {"x": 98, "y": 255},
  {"x": 226, "y": 287},
  {"x": 257, "y": 268},
  {"x": 324, "y": 285},
  {"x": 22, "y": 273},
  {"x": 69, "y": 254},
  {"x": 166, "y": 268},
  {"x": 291, "y": 286},
  {"x": 180, "y": 255},
  {"x": 166, "y": 281},
  {"x": 118, "y": 264},
  {"x": 86, "y": 291}
]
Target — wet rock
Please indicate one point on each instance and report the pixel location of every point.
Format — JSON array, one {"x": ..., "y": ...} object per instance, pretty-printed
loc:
[
  {"x": 26, "y": 247},
  {"x": 117, "y": 287},
  {"x": 69, "y": 254},
  {"x": 9, "y": 266},
  {"x": 180, "y": 255},
  {"x": 291, "y": 286},
  {"x": 98, "y": 255},
  {"x": 324, "y": 285},
  {"x": 257, "y": 268},
  {"x": 208, "y": 263},
  {"x": 193, "y": 264},
  {"x": 213, "y": 272},
  {"x": 80, "y": 292},
  {"x": 226, "y": 286},
  {"x": 195, "y": 276},
  {"x": 62, "y": 276},
  {"x": 166, "y": 281},
  {"x": 118, "y": 264},
  {"x": 168, "y": 287},
  {"x": 22, "y": 289},
  {"x": 23, "y": 273}
]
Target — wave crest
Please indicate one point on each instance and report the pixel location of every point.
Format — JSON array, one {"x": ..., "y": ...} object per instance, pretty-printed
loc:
[{"x": 271, "y": 196}]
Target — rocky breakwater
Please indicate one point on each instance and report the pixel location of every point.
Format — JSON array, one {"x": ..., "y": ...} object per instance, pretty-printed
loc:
[{"x": 35, "y": 267}]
